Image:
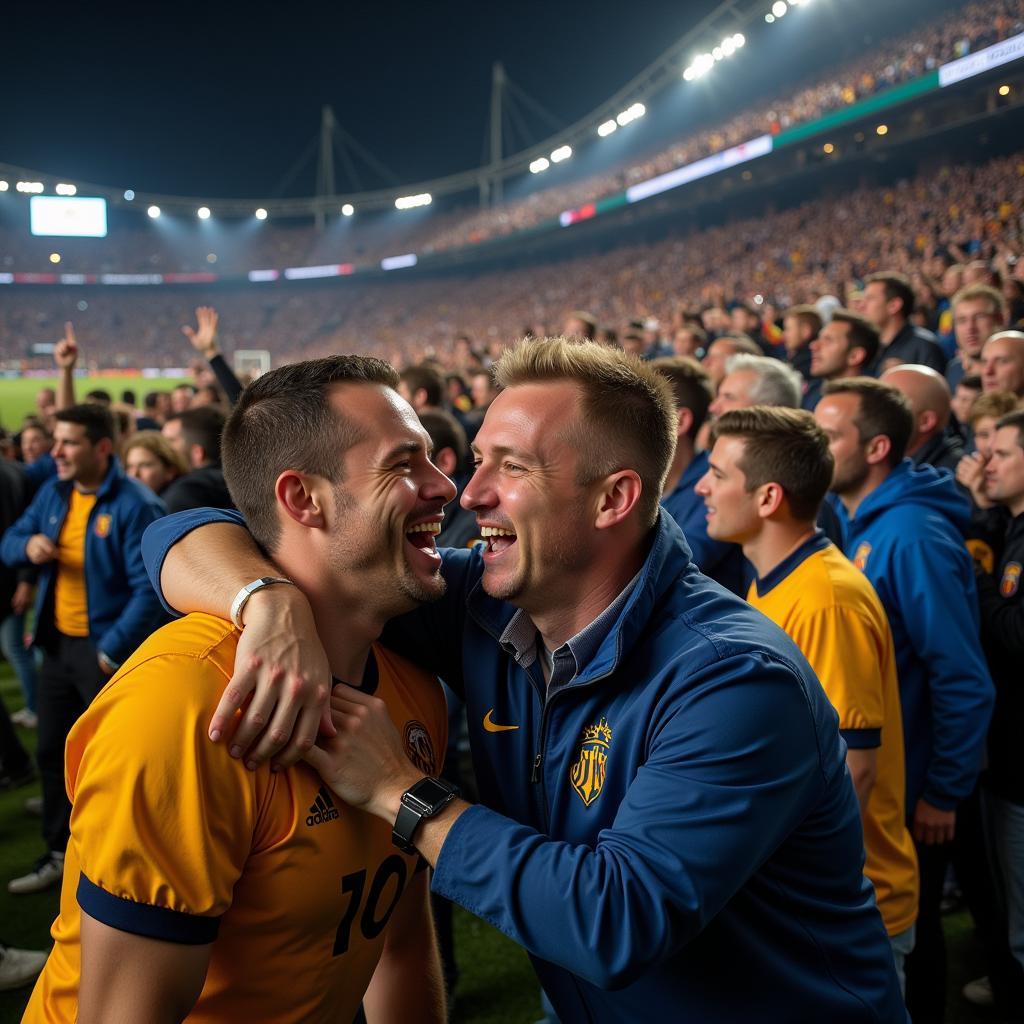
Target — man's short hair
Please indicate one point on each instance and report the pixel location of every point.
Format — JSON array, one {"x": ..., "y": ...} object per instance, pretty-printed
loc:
[
  {"x": 897, "y": 286},
  {"x": 203, "y": 426},
  {"x": 860, "y": 333},
  {"x": 151, "y": 400},
  {"x": 284, "y": 420},
  {"x": 993, "y": 403},
  {"x": 627, "y": 417},
  {"x": 98, "y": 420},
  {"x": 99, "y": 396},
  {"x": 777, "y": 382},
  {"x": 1016, "y": 420},
  {"x": 884, "y": 411},
  {"x": 977, "y": 292},
  {"x": 808, "y": 316},
  {"x": 691, "y": 387},
  {"x": 972, "y": 382},
  {"x": 427, "y": 379},
  {"x": 783, "y": 446},
  {"x": 446, "y": 432}
]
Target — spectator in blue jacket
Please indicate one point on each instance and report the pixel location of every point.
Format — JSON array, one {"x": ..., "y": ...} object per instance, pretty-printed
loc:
[
  {"x": 663, "y": 787},
  {"x": 904, "y": 529},
  {"x": 94, "y": 603}
]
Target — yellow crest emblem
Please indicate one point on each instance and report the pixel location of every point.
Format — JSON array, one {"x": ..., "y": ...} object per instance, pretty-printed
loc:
[
  {"x": 589, "y": 770},
  {"x": 983, "y": 555},
  {"x": 103, "y": 525},
  {"x": 860, "y": 557},
  {"x": 1011, "y": 579}
]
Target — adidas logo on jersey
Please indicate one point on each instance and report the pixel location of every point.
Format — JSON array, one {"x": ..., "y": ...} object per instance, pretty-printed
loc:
[{"x": 322, "y": 809}]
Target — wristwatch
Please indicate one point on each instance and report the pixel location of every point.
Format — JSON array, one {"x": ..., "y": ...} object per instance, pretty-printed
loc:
[
  {"x": 247, "y": 591},
  {"x": 422, "y": 800}
]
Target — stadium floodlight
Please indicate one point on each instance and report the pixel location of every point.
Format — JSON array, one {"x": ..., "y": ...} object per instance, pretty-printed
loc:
[
  {"x": 739, "y": 40},
  {"x": 410, "y": 202},
  {"x": 718, "y": 53},
  {"x": 347, "y": 210},
  {"x": 606, "y": 128},
  {"x": 154, "y": 212},
  {"x": 779, "y": 8},
  {"x": 129, "y": 194},
  {"x": 63, "y": 189},
  {"x": 769, "y": 17},
  {"x": 542, "y": 163},
  {"x": 882, "y": 129},
  {"x": 630, "y": 114},
  {"x": 261, "y": 214},
  {"x": 203, "y": 213},
  {"x": 728, "y": 47},
  {"x": 29, "y": 187},
  {"x": 1004, "y": 90},
  {"x": 4, "y": 186},
  {"x": 560, "y": 154},
  {"x": 55, "y": 257}
]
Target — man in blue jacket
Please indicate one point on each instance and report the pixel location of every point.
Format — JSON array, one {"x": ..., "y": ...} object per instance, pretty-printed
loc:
[
  {"x": 94, "y": 603},
  {"x": 904, "y": 529},
  {"x": 663, "y": 789}
]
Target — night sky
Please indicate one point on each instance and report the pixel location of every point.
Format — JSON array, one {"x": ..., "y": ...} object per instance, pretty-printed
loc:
[{"x": 221, "y": 100}]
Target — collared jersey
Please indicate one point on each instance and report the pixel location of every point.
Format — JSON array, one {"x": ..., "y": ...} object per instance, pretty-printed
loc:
[
  {"x": 834, "y": 616},
  {"x": 70, "y": 607},
  {"x": 172, "y": 838}
]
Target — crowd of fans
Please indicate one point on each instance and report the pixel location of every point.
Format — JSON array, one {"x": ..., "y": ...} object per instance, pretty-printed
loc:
[
  {"x": 924, "y": 228},
  {"x": 234, "y": 252}
]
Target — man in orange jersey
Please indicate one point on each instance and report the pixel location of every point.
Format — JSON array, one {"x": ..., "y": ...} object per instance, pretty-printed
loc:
[{"x": 195, "y": 888}]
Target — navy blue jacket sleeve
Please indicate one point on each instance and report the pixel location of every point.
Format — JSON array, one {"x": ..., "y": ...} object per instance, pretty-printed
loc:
[
  {"x": 141, "y": 615},
  {"x": 29, "y": 523},
  {"x": 161, "y": 535},
  {"x": 718, "y": 793},
  {"x": 939, "y": 604},
  {"x": 430, "y": 636}
]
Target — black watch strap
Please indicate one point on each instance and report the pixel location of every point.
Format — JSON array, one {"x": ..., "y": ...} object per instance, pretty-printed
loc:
[{"x": 423, "y": 800}]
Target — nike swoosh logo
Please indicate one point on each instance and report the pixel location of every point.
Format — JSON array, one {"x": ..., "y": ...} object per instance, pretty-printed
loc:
[{"x": 492, "y": 726}]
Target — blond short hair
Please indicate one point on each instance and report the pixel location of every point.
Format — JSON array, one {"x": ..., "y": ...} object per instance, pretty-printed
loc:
[{"x": 627, "y": 410}]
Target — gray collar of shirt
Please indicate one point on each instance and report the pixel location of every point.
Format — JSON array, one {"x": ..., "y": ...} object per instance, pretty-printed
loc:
[{"x": 521, "y": 639}]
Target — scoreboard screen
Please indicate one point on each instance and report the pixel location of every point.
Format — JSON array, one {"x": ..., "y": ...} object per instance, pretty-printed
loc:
[{"x": 68, "y": 217}]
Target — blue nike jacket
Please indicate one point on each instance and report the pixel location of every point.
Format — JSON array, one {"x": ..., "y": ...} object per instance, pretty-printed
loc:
[
  {"x": 673, "y": 834},
  {"x": 123, "y": 607},
  {"x": 907, "y": 537}
]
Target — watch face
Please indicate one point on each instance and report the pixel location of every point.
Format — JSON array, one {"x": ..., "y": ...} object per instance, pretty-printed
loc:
[{"x": 430, "y": 791}]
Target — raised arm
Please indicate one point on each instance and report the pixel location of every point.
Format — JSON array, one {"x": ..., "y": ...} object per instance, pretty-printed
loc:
[
  {"x": 65, "y": 355},
  {"x": 198, "y": 561},
  {"x": 203, "y": 338}
]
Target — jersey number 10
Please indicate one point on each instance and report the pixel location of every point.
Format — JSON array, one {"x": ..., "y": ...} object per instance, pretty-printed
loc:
[{"x": 370, "y": 923}]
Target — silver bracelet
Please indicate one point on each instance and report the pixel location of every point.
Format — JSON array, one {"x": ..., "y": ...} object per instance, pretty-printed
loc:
[{"x": 242, "y": 597}]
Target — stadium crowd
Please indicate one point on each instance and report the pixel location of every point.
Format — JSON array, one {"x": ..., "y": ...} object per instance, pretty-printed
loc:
[
  {"x": 234, "y": 252},
  {"x": 926, "y": 228}
]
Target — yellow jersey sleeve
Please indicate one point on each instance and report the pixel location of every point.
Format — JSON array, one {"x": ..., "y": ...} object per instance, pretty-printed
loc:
[
  {"x": 163, "y": 819},
  {"x": 844, "y": 652}
]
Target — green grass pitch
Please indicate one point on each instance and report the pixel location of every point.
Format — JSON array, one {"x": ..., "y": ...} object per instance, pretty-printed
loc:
[{"x": 18, "y": 395}]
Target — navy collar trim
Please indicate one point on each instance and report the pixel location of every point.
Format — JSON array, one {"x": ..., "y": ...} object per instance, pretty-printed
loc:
[
  {"x": 817, "y": 542},
  {"x": 371, "y": 677}
]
